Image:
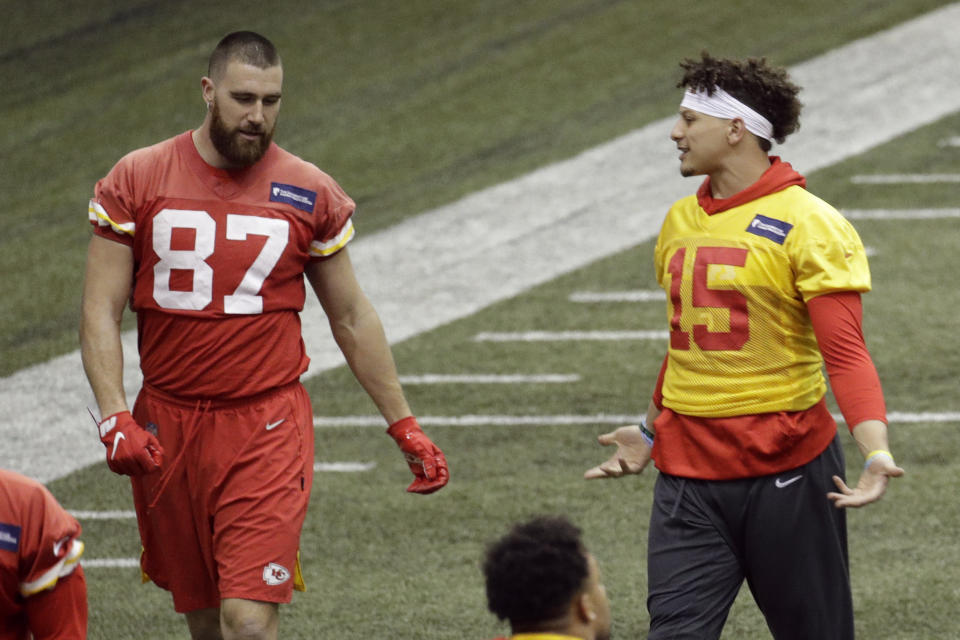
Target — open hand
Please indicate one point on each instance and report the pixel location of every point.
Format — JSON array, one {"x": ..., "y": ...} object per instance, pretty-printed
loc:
[{"x": 631, "y": 456}]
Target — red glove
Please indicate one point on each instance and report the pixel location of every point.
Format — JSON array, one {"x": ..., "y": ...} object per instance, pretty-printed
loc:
[
  {"x": 131, "y": 449},
  {"x": 426, "y": 461}
]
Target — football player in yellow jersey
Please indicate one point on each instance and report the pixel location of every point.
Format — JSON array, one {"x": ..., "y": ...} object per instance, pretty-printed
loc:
[
  {"x": 541, "y": 578},
  {"x": 763, "y": 283}
]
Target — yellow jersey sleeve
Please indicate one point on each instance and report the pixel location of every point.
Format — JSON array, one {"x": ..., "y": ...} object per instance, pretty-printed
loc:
[{"x": 827, "y": 252}]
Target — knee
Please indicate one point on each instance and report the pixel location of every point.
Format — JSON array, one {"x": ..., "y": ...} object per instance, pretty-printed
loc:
[{"x": 246, "y": 620}]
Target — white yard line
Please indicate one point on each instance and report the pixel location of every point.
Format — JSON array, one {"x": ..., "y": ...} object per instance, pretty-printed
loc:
[
  {"x": 503, "y": 240},
  {"x": 440, "y": 378},
  {"x": 569, "y": 336},
  {"x": 111, "y": 563},
  {"x": 906, "y": 178},
  {"x": 618, "y": 296},
  {"x": 952, "y": 141},
  {"x": 343, "y": 467},
  {"x": 900, "y": 214},
  {"x": 479, "y": 420},
  {"x": 103, "y": 515},
  {"x": 895, "y": 417}
]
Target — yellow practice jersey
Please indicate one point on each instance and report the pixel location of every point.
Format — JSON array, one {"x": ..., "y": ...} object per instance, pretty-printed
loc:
[{"x": 737, "y": 283}]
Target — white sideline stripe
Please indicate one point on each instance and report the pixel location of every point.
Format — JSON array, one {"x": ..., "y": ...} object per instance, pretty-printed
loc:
[
  {"x": 103, "y": 515},
  {"x": 479, "y": 421},
  {"x": 906, "y": 178},
  {"x": 559, "y": 420},
  {"x": 505, "y": 239},
  {"x": 569, "y": 336},
  {"x": 343, "y": 467},
  {"x": 900, "y": 214},
  {"x": 949, "y": 416},
  {"x": 618, "y": 296},
  {"x": 110, "y": 563},
  {"x": 952, "y": 141},
  {"x": 439, "y": 378}
]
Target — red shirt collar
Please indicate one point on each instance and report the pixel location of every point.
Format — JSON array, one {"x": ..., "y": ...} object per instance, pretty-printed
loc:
[{"x": 779, "y": 176}]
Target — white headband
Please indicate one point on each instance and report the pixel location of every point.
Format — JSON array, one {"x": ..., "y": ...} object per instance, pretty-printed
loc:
[{"x": 723, "y": 105}]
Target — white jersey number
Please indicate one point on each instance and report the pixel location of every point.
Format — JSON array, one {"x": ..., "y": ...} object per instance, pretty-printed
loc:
[{"x": 245, "y": 298}]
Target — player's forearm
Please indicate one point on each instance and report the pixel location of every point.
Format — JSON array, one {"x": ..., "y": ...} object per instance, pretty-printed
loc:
[
  {"x": 106, "y": 290},
  {"x": 871, "y": 436},
  {"x": 102, "y": 356},
  {"x": 365, "y": 347}
]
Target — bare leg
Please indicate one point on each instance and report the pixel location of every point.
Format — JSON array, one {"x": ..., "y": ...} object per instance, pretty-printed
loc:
[{"x": 248, "y": 619}]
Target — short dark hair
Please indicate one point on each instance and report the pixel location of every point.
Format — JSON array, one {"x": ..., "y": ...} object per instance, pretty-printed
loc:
[
  {"x": 247, "y": 47},
  {"x": 534, "y": 571},
  {"x": 765, "y": 89}
]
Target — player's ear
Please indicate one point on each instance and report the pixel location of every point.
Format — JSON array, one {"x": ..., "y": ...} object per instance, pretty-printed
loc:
[
  {"x": 584, "y": 608},
  {"x": 207, "y": 90},
  {"x": 736, "y": 130}
]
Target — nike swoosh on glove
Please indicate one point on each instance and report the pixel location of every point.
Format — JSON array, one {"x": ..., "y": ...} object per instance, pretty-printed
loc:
[
  {"x": 426, "y": 461},
  {"x": 131, "y": 449}
]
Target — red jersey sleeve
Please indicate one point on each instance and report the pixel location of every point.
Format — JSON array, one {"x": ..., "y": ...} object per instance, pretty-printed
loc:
[
  {"x": 336, "y": 229},
  {"x": 50, "y": 545},
  {"x": 111, "y": 210},
  {"x": 837, "y": 322},
  {"x": 39, "y": 545}
]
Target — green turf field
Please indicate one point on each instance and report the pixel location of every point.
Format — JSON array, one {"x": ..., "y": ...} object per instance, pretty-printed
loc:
[{"x": 410, "y": 105}]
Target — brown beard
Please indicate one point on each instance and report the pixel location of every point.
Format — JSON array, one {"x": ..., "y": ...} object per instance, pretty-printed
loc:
[{"x": 238, "y": 151}]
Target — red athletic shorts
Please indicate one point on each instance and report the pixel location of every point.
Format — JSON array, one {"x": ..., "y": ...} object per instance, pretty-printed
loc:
[{"x": 223, "y": 517}]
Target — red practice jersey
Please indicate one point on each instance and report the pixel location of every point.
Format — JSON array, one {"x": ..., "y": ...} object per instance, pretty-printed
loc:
[
  {"x": 219, "y": 262},
  {"x": 39, "y": 545}
]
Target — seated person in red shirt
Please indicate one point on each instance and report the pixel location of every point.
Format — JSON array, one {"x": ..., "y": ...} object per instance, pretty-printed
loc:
[
  {"x": 43, "y": 592},
  {"x": 542, "y": 579}
]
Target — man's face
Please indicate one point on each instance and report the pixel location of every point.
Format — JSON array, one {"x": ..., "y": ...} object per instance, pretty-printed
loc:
[
  {"x": 244, "y": 104},
  {"x": 598, "y": 595},
  {"x": 701, "y": 140}
]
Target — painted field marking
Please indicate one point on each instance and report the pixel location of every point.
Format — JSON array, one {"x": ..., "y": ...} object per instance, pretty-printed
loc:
[
  {"x": 639, "y": 295},
  {"x": 479, "y": 420},
  {"x": 110, "y": 563},
  {"x": 505, "y": 239},
  {"x": 103, "y": 515},
  {"x": 900, "y": 214},
  {"x": 574, "y": 420},
  {"x": 952, "y": 141},
  {"x": 568, "y": 336},
  {"x": 343, "y": 467},
  {"x": 480, "y": 378},
  {"x": 906, "y": 178}
]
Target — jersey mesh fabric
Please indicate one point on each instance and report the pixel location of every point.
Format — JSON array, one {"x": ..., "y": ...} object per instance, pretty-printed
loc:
[
  {"x": 741, "y": 338},
  {"x": 742, "y": 389},
  {"x": 219, "y": 260}
]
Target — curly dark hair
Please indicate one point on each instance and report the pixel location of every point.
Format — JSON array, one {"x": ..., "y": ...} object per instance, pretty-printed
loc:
[
  {"x": 534, "y": 571},
  {"x": 248, "y": 47},
  {"x": 765, "y": 89}
]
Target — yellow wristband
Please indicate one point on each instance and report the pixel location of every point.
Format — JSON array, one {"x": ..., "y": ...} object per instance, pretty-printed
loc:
[{"x": 877, "y": 452}]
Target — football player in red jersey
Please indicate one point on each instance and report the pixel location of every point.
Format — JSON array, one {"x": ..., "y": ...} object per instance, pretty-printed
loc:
[
  {"x": 43, "y": 592},
  {"x": 763, "y": 281},
  {"x": 209, "y": 236},
  {"x": 541, "y": 578}
]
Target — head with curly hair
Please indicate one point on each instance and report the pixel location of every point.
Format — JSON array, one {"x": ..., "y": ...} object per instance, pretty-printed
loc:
[
  {"x": 764, "y": 88},
  {"x": 541, "y": 578}
]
